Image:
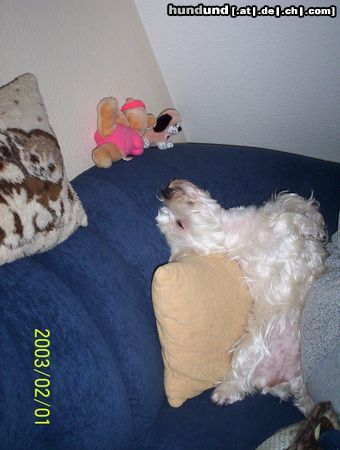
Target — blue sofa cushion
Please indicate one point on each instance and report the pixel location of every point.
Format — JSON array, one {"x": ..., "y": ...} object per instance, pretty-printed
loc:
[
  {"x": 88, "y": 400},
  {"x": 106, "y": 273},
  {"x": 93, "y": 293}
]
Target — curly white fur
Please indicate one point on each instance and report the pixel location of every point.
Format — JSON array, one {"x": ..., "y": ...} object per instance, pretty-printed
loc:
[{"x": 280, "y": 248}]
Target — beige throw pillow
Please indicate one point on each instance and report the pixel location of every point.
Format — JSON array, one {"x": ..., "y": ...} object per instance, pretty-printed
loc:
[{"x": 201, "y": 305}]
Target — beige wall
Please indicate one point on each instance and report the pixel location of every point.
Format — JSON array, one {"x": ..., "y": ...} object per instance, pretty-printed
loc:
[
  {"x": 81, "y": 51},
  {"x": 267, "y": 82}
]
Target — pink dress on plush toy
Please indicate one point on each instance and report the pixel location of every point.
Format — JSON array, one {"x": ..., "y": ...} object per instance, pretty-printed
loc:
[{"x": 127, "y": 139}]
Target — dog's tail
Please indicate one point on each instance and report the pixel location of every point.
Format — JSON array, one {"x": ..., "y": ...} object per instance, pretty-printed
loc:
[
  {"x": 303, "y": 214},
  {"x": 301, "y": 222}
]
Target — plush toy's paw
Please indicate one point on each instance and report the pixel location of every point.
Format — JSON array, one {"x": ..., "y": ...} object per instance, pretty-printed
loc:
[
  {"x": 101, "y": 157},
  {"x": 169, "y": 145},
  {"x": 162, "y": 145},
  {"x": 105, "y": 164}
]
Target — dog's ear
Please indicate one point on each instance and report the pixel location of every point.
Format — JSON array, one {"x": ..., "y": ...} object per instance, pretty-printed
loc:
[{"x": 162, "y": 123}]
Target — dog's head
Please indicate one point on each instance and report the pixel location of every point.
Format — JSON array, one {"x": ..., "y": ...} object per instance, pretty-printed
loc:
[
  {"x": 168, "y": 121},
  {"x": 188, "y": 218}
]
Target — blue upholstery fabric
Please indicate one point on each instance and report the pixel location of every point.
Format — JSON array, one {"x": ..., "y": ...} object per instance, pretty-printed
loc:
[
  {"x": 330, "y": 440},
  {"x": 93, "y": 293},
  {"x": 200, "y": 425},
  {"x": 88, "y": 399}
]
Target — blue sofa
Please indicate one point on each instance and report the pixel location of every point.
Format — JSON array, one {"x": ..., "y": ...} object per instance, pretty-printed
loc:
[{"x": 92, "y": 294}]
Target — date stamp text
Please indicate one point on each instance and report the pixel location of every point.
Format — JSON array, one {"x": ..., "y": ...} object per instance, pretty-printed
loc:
[{"x": 42, "y": 381}]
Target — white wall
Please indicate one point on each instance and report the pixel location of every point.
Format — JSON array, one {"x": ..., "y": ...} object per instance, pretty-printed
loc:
[
  {"x": 80, "y": 51},
  {"x": 267, "y": 82}
]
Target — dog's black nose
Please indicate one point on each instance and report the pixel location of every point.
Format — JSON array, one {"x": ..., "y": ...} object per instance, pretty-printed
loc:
[
  {"x": 166, "y": 193},
  {"x": 179, "y": 129}
]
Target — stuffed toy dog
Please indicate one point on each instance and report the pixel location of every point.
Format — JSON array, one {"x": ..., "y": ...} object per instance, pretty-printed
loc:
[
  {"x": 120, "y": 132},
  {"x": 168, "y": 123}
]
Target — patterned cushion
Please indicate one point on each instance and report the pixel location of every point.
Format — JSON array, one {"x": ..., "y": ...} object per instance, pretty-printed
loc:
[{"x": 38, "y": 206}]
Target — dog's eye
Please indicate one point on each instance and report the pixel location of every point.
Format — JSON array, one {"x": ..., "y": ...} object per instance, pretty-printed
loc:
[{"x": 180, "y": 224}]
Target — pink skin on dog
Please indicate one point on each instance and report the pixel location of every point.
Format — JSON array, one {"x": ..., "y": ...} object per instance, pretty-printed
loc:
[
  {"x": 127, "y": 139},
  {"x": 284, "y": 353}
]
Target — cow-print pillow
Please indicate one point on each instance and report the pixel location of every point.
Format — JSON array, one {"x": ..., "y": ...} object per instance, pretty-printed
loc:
[{"x": 38, "y": 206}]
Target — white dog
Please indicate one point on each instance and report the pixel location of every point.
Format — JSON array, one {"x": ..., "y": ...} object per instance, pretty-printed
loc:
[{"x": 280, "y": 248}]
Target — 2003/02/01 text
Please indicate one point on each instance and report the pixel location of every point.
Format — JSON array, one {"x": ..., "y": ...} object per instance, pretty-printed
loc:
[{"x": 42, "y": 383}]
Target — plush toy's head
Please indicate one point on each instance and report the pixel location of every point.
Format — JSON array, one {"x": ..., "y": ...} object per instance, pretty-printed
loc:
[
  {"x": 136, "y": 115},
  {"x": 168, "y": 121}
]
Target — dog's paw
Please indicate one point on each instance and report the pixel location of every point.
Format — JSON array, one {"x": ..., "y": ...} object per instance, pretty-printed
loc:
[
  {"x": 281, "y": 390},
  {"x": 227, "y": 393}
]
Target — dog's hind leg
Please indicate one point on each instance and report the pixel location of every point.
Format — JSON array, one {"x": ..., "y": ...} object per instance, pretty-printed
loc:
[
  {"x": 239, "y": 379},
  {"x": 302, "y": 398},
  {"x": 281, "y": 390}
]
